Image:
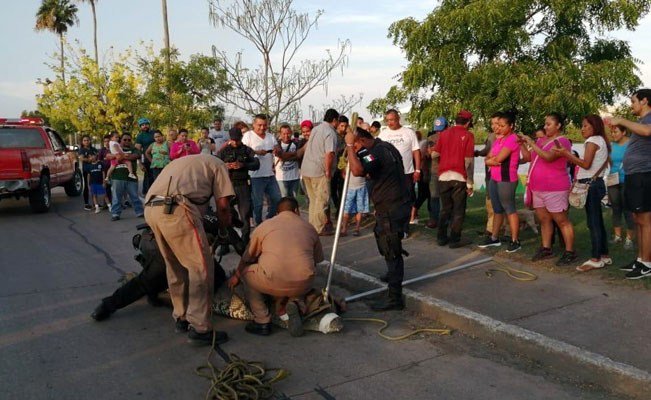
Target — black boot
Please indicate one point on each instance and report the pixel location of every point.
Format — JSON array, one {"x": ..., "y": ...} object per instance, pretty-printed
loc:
[
  {"x": 392, "y": 302},
  {"x": 102, "y": 312}
]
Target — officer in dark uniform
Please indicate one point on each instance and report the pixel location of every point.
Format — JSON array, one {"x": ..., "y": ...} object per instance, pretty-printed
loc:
[
  {"x": 382, "y": 163},
  {"x": 240, "y": 159}
]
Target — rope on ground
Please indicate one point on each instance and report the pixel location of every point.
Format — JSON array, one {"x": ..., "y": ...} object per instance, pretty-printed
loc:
[
  {"x": 385, "y": 325},
  {"x": 513, "y": 273},
  {"x": 239, "y": 379}
]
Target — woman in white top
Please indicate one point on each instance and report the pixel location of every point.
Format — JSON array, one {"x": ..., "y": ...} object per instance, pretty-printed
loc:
[{"x": 591, "y": 169}]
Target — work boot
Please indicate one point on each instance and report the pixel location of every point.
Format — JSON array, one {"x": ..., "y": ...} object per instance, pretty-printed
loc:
[
  {"x": 295, "y": 323},
  {"x": 206, "y": 338},
  {"x": 392, "y": 302},
  {"x": 258, "y": 329},
  {"x": 181, "y": 326},
  {"x": 102, "y": 312},
  {"x": 384, "y": 278}
]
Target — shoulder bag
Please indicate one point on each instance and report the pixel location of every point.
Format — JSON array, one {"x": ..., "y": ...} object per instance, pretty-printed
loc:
[{"x": 579, "y": 191}]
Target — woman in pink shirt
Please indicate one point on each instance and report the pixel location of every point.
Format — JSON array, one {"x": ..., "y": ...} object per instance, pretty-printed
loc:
[
  {"x": 550, "y": 185},
  {"x": 503, "y": 161},
  {"x": 183, "y": 146}
]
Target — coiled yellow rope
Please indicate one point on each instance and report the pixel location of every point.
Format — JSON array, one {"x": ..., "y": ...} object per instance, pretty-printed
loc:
[{"x": 385, "y": 325}]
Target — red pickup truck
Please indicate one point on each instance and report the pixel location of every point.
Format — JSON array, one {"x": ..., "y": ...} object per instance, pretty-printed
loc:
[{"x": 34, "y": 159}]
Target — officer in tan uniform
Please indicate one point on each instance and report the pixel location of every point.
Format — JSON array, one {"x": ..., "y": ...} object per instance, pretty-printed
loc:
[
  {"x": 174, "y": 207},
  {"x": 280, "y": 262}
]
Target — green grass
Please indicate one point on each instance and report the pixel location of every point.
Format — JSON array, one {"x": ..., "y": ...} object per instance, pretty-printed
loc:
[{"x": 475, "y": 221}]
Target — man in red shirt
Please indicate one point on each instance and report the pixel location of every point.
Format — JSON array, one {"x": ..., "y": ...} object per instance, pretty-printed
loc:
[{"x": 455, "y": 149}]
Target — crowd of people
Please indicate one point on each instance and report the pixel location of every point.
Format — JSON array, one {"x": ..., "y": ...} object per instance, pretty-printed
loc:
[{"x": 395, "y": 169}]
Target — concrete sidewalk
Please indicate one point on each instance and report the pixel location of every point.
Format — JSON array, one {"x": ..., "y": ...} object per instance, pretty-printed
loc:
[{"x": 576, "y": 324}]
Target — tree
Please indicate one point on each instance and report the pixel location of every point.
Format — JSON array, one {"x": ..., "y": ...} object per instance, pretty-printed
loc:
[
  {"x": 277, "y": 32},
  {"x": 185, "y": 94},
  {"x": 344, "y": 105},
  {"x": 92, "y": 6},
  {"x": 534, "y": 56},
  {"x": 56, "y": 16}
]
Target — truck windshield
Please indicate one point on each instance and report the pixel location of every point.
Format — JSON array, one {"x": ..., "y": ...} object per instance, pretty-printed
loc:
[{"x": 11, "y": 138}]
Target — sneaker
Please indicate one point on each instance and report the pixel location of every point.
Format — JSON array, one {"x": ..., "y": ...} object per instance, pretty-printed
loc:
[
  {"x": 629, "y": 267},
  {"x": 206, "y": 338},
  {"x": 181, "y": 326},
  {"x": 590, "y": 265},
  {"x": 115, "y": 218},
  {"x": 567, "y": 258},
  {"x": 104, "y": 207},
  {"x": 606, "y": 260},
  {"x": 628, "y": 244},
  {"x": 133, "y": 176},
  {"x": 127, "y": 204},
  {"x": 88, "y": 207},
  {"x": 489, "y": 242},
  {"x": 616, "y": 239},
  {"x": 97, "y": 209},
  {"x": 542, "y": 254},
  {"x": 640, "y": 271},
  {"x": 514, "y": 245},
  {"x": 413, "y": 222}
]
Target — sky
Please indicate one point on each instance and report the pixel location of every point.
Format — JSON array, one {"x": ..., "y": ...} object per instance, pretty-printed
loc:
[{"x": 372, "y": 68}]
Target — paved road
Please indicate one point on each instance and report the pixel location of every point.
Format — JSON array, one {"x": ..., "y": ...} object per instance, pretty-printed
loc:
[{"x": 55, "y": 267}]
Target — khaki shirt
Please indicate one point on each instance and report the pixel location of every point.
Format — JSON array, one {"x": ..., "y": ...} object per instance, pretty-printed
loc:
[
  {"x": 196, "y": 177},
  {"x": 287, "y": 248}
]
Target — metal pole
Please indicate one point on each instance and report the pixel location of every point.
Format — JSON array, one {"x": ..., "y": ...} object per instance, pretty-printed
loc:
[
  {"x": 340, "y": 217},
  {"x": 421, "y": 278}
]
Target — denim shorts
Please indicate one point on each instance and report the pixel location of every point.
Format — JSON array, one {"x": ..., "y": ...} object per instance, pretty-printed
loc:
[{"x": 356, "y": 201}]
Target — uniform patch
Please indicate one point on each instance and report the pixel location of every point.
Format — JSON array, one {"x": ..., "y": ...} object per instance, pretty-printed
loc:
[{"x": 369, "y": 158}]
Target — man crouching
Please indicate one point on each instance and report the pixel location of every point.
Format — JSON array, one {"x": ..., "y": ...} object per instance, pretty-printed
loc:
[{"x": 280, "y": 262}]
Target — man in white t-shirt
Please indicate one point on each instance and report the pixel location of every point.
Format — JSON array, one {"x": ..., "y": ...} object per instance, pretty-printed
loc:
[
  {"x": 405, "y": 140},
  {"x": 263, "y": 181},
  {"x": 286, "y": 164},
  {"x": 218, "y": 135}
]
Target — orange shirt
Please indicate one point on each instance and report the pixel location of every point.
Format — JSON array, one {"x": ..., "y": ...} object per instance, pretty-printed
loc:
[{"x": 287, "y": 248}]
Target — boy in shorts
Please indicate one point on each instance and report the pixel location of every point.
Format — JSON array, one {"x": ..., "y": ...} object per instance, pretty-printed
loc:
[
  {"x": 356, "y": 203},
  {"x": 97, "y": 190}
]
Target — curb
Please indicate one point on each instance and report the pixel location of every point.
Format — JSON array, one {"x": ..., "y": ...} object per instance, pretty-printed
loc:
[{"x": 563, "y": 358}]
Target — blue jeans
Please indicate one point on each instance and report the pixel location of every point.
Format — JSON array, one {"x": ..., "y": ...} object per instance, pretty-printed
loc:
[
  {"x": 119, "y": 188},
  {"x": 595, "y": 218},
  {"x": 259, "y": 187},
  {"x": 288, "y": 188}
]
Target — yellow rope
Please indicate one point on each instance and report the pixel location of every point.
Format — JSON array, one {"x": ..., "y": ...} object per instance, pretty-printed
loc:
[
  {"x": 524, "y": 276},
  {"x": 385, "y": 324}
]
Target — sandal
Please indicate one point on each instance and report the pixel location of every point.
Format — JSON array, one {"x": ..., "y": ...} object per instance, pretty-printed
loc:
[{"x": 590, "y": 265}]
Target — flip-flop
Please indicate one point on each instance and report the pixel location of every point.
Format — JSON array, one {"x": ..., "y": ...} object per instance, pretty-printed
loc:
[{"x": 587, "y": 266}]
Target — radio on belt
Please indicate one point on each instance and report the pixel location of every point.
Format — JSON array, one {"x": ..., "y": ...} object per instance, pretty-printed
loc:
[{"x": 168, "y": 201}]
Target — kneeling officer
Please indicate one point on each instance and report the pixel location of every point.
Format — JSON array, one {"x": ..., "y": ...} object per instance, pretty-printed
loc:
[
  {"x": 175, "y": 204},
  {"x": 382, "y": 163}
]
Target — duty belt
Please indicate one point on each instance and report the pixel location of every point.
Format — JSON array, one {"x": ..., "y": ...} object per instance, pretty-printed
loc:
[{"x": 159, "y": 201}]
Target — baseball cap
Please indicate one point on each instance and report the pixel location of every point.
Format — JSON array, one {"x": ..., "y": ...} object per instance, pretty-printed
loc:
[
  {"x": 235, "y": 134},
  {"x": 464, "y": 114},
  {"x": 307, "y": 123},
  {"x": 143, "y": 121},
  {"x": 440, "y": 124}
]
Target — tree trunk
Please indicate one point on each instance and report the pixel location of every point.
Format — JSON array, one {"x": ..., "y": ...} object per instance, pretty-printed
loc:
[
  {"x": 92, "y": 5},
  {"x": 63, "y": 66},
  {"x": 166, "y": 34}
]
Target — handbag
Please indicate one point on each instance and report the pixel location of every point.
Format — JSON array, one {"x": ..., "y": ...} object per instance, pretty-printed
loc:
[
  {"x": 612, "y": 179},
  {"x": 579, "y": 191}
]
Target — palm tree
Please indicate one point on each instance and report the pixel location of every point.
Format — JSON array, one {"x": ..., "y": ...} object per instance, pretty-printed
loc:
[
  {"x": 166, "y": 34},
  {"x": 92, "y": 6},
  {"x": 56, "y": 16}
]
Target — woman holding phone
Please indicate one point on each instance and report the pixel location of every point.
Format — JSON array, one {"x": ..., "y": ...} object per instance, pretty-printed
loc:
[
  {"x": 591, "y": 169},
  {"x": 183, "y": 146},
  {"x": 549, "y": 183}
]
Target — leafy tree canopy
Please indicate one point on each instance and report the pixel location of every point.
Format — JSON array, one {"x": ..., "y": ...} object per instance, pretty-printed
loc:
[{"x": 532, "y": 56}]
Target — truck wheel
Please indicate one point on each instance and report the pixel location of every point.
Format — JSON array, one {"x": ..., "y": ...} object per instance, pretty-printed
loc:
[
  {"x": 39, "y": 198},
  {"x": 75, "y": 186}
]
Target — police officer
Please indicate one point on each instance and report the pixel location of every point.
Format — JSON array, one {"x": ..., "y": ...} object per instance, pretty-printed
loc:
[
  {"x": 382, "y": 163},
  {"x": 240, "y": 159},
  {"x": 175, "y": 204}
]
